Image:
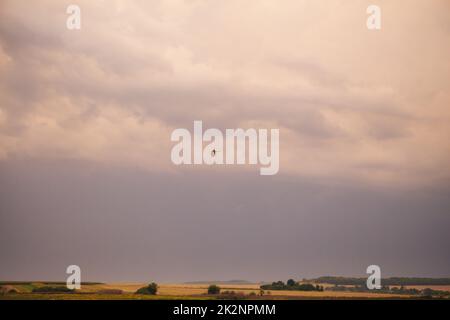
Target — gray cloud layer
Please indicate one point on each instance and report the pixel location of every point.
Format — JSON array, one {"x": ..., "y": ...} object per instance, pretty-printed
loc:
[{"x": 128, "y": 226}]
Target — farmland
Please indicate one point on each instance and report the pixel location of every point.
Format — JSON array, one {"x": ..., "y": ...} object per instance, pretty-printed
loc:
[{"x": 126, "y": 291}]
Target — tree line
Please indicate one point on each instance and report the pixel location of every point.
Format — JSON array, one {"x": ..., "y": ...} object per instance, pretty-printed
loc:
[
  {"x": 291, "y": 284},
  {"x": 392, "y": 281}
]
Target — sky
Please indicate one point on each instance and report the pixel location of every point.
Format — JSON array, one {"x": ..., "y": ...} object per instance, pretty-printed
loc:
[{"x": 86, "y": 117}]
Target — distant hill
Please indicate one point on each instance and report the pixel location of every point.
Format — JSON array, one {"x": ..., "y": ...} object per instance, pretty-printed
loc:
[
  {"x": 220, "y": 282},
  {"x": 393, "y": 281}
]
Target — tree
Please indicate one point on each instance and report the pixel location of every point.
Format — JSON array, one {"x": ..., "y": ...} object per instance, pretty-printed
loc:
[
  {"x": 152, "y": 288},
  {"x": 213, "y": 289},
  {"x": 290, "y": 282},
  {"x": 427, "y": 292}
]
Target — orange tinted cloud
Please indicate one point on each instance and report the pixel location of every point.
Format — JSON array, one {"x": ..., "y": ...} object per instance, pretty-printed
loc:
[{"x": 349, "y": 102}]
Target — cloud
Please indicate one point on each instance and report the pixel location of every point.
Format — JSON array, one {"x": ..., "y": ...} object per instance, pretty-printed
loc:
[{"x": 350, "y": 103}]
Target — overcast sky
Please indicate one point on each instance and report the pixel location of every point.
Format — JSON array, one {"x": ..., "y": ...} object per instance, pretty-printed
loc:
[{"x": 86, "y": 117}]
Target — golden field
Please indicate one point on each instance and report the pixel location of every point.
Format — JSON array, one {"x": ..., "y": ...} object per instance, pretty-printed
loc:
[{"x": 190, "y": 291}]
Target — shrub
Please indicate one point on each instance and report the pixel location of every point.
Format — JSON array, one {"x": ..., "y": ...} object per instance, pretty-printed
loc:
[
  {"x": 213, "y": 289},
  {"x": 152, "y": 288},
  {"x": 231, "y": 295},
  {"x": 7, "y": 290},
  {"x": 228, "y": 292},
  {"x": 48, "y": 289}
]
